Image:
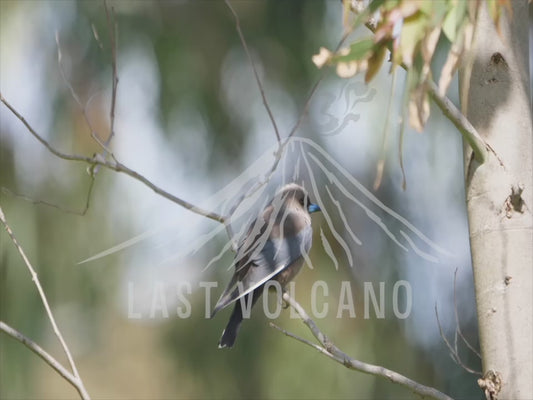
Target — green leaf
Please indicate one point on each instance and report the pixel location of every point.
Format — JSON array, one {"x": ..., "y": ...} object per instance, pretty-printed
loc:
[
  {"x": 493, "y": 9},
  {"x": 359, "y": 50},
  {"x": 374, "y": 62},
  {"x": 418, "y": 105},
  {"x": 375, "y": 4},
  {"x": 428, "y": 7},
  {"x": 413, "y": 31},
  {"x": 454, "y": 20}
]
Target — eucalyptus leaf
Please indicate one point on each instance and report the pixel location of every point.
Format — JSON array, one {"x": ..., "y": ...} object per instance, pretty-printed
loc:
[
  {"x": 359, "y": 50},
  {"x": 454, "y": 20},
  {"x": 375, "y": 62},
  {"x": 413, "y": 31}
]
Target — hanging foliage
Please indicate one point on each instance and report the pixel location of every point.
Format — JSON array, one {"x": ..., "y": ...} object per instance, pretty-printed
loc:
[{"x": 409, "y": 30}]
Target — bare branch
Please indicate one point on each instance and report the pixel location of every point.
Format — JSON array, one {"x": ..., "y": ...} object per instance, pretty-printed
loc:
[
  {"x": 112, "y": 38},
  {"x": 304, "y": 341},
  {"x": 51, "y": 361},
  {"x": 52, "y": 205},
  {"x": 383, "y": 156},
  {"x": 281, "y": 144},
  {"x": 454, "y": 350},
  {"x": 457, "y": 324},
  {"x": 75, "y": 96},
  {"x": 444, "y": 338},
  {"x": 42, "y": 140},
  {"x": 115, "y": 166},
  {"x": 306, "y": 106},
  {"x": 454, "y": 353},
  {"x": 118, "y": 167},
  {"x": 329, "y": 349},
  {"x": 112, "y": 35},
  {"x": 259, "y": 84},
  {"x": 35, "y": 279}
]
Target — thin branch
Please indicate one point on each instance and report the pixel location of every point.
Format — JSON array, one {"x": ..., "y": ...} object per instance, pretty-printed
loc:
[
  {"x": 281, "y": 144},
  {"x": 51, "y": 361},
  {"x": 81, "y": 213},
  {"x": 457, "y": 324},
  {"x": 329, "y": 349},
  {"x": 444, "y": 338},
  {"x": 304, "y": 341},
  {"x": 50, "y": 148},
  {"x": 118, "y": 167},
  {"x": 463, "y": 125},
  {"x": 112, "y": 34},
  {"x": 75, "y": 96},
  {"x": 114, "y": 166},
  {"x": 35, "y": 279},
  {"x": 259, "y": 84},
  {"x": 453, "y": 351},
  {"x": 112, "y": 38},
  {"x": 306, "y": 106}
]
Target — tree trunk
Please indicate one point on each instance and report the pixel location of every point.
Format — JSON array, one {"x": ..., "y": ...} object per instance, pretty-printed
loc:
[{"x": 499, "y": 200}]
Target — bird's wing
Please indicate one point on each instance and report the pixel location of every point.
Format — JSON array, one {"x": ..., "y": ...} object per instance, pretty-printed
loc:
[{"x": 265, "y": 257}]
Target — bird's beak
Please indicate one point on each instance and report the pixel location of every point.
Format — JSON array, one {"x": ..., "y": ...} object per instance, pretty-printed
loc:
[{"x": 313, "y": 208}]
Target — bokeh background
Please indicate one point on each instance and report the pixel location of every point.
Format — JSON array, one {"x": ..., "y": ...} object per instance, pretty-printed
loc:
[{"x": 190, "y": 118}]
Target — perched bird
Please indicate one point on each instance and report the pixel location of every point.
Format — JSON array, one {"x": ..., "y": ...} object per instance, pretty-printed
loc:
[{"x": 272, "y": 249}]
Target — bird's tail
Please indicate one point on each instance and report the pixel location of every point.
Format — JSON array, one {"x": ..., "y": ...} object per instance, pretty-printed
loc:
[{"x": 232, "y": 328}]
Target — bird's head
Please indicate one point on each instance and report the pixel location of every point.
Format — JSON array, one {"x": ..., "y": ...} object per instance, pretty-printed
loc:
[{"x": 295, "y": 196}]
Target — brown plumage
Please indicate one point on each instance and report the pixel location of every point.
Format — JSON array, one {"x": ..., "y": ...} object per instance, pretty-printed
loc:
[{"x": 271, "y": 250}]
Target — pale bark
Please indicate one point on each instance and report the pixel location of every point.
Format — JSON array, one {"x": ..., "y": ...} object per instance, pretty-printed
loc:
[{"x": 499, "y": 199}]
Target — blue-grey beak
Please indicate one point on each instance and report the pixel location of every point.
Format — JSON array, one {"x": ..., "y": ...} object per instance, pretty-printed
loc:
[{"x": 313, "y": 208}]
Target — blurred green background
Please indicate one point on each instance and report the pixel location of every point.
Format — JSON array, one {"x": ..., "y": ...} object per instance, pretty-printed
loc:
[{"x": 190, "y": 118}]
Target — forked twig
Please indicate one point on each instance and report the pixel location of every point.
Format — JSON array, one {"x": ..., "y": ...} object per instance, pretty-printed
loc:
[
  {"x": 60, "y": 369},
  {"x": 110, "y": 15},
  {"x": 457, "y": 324},
  {"x": 281, "y": 143},
  {"x": 454, "y": 353},
  {"x": 83, "y": 108},
  {"x": 81, "y": 212},
  {"x": 115, "y": 166}
]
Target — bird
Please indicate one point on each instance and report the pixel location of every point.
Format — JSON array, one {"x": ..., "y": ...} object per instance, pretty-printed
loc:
[{"x": 272, "y": 249}]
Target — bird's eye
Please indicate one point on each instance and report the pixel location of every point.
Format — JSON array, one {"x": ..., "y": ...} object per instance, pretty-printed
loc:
[{"x": 302, "y": 201}]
